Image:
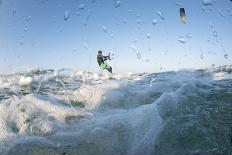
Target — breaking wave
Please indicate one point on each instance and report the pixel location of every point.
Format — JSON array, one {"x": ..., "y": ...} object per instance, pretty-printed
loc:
[{"x": 77, "y": 112}]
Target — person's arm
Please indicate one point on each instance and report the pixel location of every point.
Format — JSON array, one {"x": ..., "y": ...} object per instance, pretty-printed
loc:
[{"x": 105, "y": 57}]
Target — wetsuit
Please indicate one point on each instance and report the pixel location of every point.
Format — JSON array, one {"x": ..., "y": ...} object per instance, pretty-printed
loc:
[{"x": 101, "y": 61}]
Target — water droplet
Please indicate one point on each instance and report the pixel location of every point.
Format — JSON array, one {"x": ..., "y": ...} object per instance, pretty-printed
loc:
[
  {"x": 154, "y": 22},
  {"x": 117, "y": 3},
  {"x": 160, "y": 14},
  {"x": 85, "y": 22},
  {"x": 203, "y": 8},
  {"x": 66, "y": 15},
  {"x": 44, "y": 1},
  {"x": 138, "y": 55},
  {"x": 104, "y": 29},
  {"x": 151, "y": 82},
  {"x": 86, "y": 46},
  {"x": 77, "y": 13},
  {"x": 13, "y": 11},
  {"x": 148, "y": 36},
  {"x": 147, "y": 60},
  {"x": 86, "y": 18},
  {"x": 74, "y": 50},
  {"x": 182, "y": 40},
  {"x": 139, "y": 21},
  {"x": 178, "y": 3},
  {"x": 134, "y": 48},
  {"x": 226, "y": 56},
  {"x": 208, "y": 2},
  {"x": 135, "y": 40},
  {"x": 166, "y": 52},
  {"x": 124, "y": 21},
  {"x": 138, "y": 15},
  {"x": 111, "y": 35},
  {"x": 25, "y": 29},
  {"x": 215, "y": 34},
  {"x": 81, "y": 7},
  {"x": 211, "y": 9},
  {"x": 21, "y": 42},
  {"x": 28, "y": 19},
  {"x": 130, "y": 11},
  {"x": 202, "y": 56},
  {"x": 221, "y": 13},
  {"x": 211, "y": 25},
  {"x": 189, "y": 35}
]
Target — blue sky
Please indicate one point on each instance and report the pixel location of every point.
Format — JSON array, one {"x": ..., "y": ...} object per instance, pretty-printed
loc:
[{"x": 34, "y": 33}]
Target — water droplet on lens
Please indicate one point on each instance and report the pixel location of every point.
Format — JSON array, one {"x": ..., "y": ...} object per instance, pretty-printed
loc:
[
  {"x": 138, "y": 55},
  {"x": 124, "y": 21},
  {"x": 21, "y": 42},
  {"x": 25, "y": 29},
  {"x": 182, "y": 40},
  {"x": 13, "y": 11},
  {"x": 134, "y": 48},
  {"x": 189, "y": 35},
  {"x": 74, "y": 50},
  {"x": 178, "y": 3},
  {"x": 226, "y": 56},
  {"x": 77, "y": 13},
  {"x": 135, "y": 40},
  {"x": 160, "y": 14},
  {"x": 211, "y": 25},
  {"x": 151, "y": 82},
  {"x": 221, "y": 13},
  {"x": 208, "y": 2},
  {"x": 104, "y": 29},
  {"x": 66, "y": 15},
  {"x": 86, "y": 46},
  {"x": 215, "y": 34},
  {"x": 148, "y": 36},
  {"x": 154, "y": 22},
  {"x": 203, "y": 8},
  {"x": 139, "y": 21},
  {"x": 81, "y": 6},
  {"x": 28, "y": 19},
  {"x": 202, "y": 56},
  {"x": 117, "y": 3},
  {"x": 85, "y": 22}
]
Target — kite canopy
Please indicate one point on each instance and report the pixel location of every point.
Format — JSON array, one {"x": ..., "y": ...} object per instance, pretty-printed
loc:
[{"x": 183, "y": 16}]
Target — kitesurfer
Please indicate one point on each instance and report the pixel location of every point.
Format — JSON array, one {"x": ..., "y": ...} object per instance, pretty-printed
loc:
[{"x": 101, "y": 61}]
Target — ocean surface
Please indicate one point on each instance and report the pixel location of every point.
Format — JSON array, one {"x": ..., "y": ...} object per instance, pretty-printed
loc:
[{"x": 68, "y": 112}]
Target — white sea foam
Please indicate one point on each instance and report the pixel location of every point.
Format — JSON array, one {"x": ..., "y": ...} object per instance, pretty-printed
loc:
[{"x": 107, "y": 114}]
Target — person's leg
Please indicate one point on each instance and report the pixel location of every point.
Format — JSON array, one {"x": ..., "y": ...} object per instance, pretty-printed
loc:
[
  {"x": 110, "y": 69},
  {"x": 103, "y": 66},
  {"x": 107, "y": 67}
]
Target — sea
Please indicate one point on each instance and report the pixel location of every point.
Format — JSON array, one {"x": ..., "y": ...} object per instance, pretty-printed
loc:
[{"x": 74, "y": 112}]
